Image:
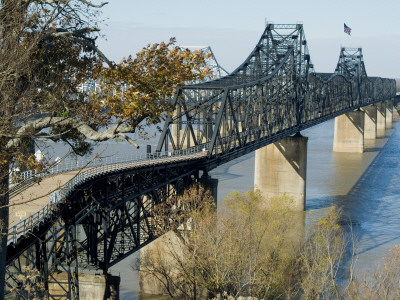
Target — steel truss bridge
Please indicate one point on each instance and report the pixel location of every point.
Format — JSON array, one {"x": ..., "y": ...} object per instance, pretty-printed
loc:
[{"x": 106, "y": 213}]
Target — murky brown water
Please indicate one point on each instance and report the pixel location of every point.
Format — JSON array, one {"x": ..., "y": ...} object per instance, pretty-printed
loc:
[{"x": 366, "y": 185}]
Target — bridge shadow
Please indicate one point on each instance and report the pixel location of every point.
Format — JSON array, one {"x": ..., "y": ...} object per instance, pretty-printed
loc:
[
  {"x": 372, "y": 206},
  {"x": 370, "y": 114},
  {"x": 355, "y": 121},
  {"x": 373, "y": 149},
  {"x": 224, "y": 172},
  {"x": 293, "y": 161}
]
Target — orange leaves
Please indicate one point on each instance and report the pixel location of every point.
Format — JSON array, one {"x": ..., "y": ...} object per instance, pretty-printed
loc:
[{"x": 139, "y": 88}]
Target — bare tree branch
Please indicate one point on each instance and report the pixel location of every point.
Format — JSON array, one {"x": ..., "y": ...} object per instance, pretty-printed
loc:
[
  {"x": 94, "y": 5},
  {"x": 78, "y": 32},
  {"x": 78, "y": 36},
  {"x": 50, "y": 2},
  {"x": 128, "y": 139},
  {"x": 46, "y": 122},
  {"x": 95, "y": 49}
]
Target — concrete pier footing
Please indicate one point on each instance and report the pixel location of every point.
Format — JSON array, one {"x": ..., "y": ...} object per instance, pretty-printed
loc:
[
  {"x": 370, "y": 122},
  {"x": 389, "y": 113},
  {"x": 211, "y": 184},
  {"x": 381, "y": 116},
  {"x": 91, "y": 286},
  {"x": 163, "y": 253},
  {"x": 281, "y": 168},
  {"x": 166, "y": 253},
  {"x": 396, "y": 115},
  {"x": 349, "y": 132}
]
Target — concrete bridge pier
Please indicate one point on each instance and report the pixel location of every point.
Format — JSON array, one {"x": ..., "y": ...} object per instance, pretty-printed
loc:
[
  {"x": 381, "y": 116},
  {"x": 281, "y": 168},
  {"x": 396, "y": 115},
  {"x": 210, "y": 184},
  {"x": 349, "y": 132},
  {"x": 91, "y": 286},
  {"x": 389, "y": 113},
  {"x": 166, "y": 252},
  {"x": 370, "y": 122}
]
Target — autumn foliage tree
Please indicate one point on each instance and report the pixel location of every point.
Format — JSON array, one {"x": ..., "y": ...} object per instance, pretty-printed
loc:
[
  {"x": 382, "y": 282},
  {"x": 246, "y": 250},
  {"x": 47, "y": 51},
  {"x": 137, "y": 91}
]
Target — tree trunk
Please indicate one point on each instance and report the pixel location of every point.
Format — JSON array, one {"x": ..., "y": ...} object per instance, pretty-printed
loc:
[{"x": 3, "y": 231}]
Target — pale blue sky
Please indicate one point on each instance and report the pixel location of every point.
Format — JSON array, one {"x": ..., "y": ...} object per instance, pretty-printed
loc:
[{"x": 233, "y": 27}]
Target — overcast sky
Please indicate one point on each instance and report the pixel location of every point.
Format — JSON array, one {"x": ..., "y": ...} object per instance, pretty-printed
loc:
[{"x": 233, "y": 27}]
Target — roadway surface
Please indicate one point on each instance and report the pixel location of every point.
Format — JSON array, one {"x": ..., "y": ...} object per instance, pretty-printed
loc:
[{"x": 36, "y": 196}]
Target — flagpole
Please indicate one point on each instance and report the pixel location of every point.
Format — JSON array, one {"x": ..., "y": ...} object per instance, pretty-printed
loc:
[
  {"x": 343, "y": 36},
  {"x": 342, "y": 45}
]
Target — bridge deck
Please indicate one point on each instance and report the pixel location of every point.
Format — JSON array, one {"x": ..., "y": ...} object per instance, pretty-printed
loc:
[
  {"x": 273, "y": 94},
  {"x": 36, "y": 196}
]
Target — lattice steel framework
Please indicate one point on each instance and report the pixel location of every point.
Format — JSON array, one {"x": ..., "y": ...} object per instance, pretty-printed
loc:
[
  {"x": 273, "y": 94},
  {"x": 217, "y": 71},
  {"x": 98, "y": 224}
]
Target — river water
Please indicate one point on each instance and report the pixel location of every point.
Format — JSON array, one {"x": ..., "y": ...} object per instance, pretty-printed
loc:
[{"x": 366, "y": 186}]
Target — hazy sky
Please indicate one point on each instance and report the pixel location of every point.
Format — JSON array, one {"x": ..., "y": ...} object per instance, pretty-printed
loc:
[{"x": 233, "y": 27}]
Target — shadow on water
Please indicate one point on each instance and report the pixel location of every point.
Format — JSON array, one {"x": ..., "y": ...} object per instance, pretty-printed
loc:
[
  {"x": 371, "y": 206},
  {"x": 366, "y": 186},
  {"x": 377, "y": 149},
  {"x": 224, "y": 172}
]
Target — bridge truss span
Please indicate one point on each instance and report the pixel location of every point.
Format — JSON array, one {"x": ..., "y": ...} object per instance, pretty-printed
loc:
[
  {"x": 108, "y": 213},
  {"x": 275, "y": 90}
]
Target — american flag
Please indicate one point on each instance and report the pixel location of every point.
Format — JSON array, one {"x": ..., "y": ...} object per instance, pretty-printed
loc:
[{"x": 347, "y": 29}]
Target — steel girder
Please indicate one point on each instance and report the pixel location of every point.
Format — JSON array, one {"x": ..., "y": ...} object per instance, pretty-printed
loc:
[
  {"x": 216, "y": 70},
  {"x": 267, "y": 56},
  {"x": 273, "y": 94},
  {"x": 351, "y": 63},
  {"x": 101, "y": 222},
  {"x": 116, "y": 211},
  {"x": 46, "y": 267},
  {"x": 275, "y": 90}
]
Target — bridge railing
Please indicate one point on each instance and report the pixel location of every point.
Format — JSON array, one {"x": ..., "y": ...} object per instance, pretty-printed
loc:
[
  {"x": 32, "y": 222},
  {"x": 65, "y": 166}
]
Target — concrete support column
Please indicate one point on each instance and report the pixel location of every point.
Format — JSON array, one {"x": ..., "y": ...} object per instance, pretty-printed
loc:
[
  {"x": 381, "y": 116},
  {"x": 370, "y": 122},
  {"x": 91, "y": 286},
  {"x": 389, "y": 113},
  {"x": 159, "y": 252},
  {"x": 396, "y": 115},
  {"x": 211, "y": 184},
  {"x": 281, "y": 168},
  {"x": 167, "y": 252},
  {"x": 349, "y": 132}
]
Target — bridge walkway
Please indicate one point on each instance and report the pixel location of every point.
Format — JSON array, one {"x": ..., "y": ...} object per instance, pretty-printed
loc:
[
  {"x": 28, "y": 207},
  {"x": 35, "y": 197}
]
